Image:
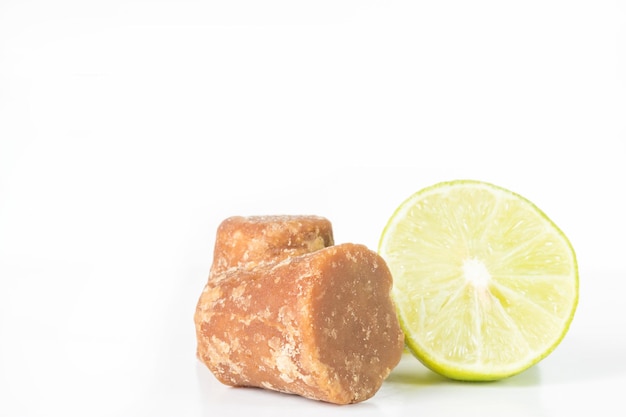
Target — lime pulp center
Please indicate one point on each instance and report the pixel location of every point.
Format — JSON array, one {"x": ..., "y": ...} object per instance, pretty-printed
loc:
[{"x": 476, "y": 273}]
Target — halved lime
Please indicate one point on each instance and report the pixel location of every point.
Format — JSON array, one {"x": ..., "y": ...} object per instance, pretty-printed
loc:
[{"x": 485, "y": 284}]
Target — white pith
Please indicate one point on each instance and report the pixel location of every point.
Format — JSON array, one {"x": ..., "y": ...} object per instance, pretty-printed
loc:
[{"x": 476, "y": 273}]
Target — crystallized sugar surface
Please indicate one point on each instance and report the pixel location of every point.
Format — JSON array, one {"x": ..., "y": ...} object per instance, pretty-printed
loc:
[{"x": 318, "y": 322}]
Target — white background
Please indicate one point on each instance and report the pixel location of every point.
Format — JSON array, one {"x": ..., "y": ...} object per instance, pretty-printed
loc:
[{"x": 130, "y": 129}]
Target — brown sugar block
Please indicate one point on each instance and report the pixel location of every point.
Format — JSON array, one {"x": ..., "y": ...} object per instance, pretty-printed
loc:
[
  {"x": 247, "y": 241},
  {"x": 321, "y": 325}
]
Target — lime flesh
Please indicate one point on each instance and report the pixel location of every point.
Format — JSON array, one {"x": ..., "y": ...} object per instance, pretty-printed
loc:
[{"x": 485, "y": 284}]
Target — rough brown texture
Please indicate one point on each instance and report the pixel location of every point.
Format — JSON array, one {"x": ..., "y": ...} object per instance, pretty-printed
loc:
[
  {"x": 320, "y": 324},
  {"x": 244, "y": 242}
]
